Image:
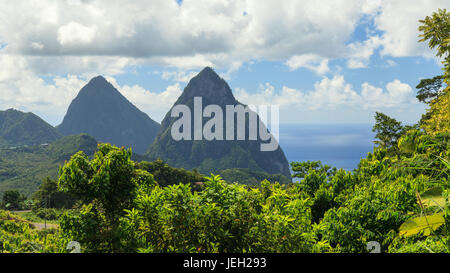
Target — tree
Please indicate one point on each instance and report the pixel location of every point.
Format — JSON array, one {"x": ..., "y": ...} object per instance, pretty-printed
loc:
[
  {"x": 430, "y": 89},
  {"x": 12, "y": 199},
  {"x": 301, "y": 169},
  {"x": 109, "y": 183},
  {"x": 439, "y": 121},
  {"x": 436, "y": 30},
  {"x": 388, "y": 130},
  {"x": 49, "y": 196},
  {"x": 166, "y": 175}
]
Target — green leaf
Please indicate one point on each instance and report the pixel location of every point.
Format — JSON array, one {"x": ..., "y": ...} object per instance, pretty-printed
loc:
[
  {"x": 421, "y": 224},
  {"x": 433, "y": 197},
  {"x": 445, "y": 162}
]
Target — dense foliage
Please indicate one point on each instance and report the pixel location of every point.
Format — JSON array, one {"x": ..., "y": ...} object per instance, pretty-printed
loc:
[
  {"x": 49, "y": 196},
  {"x": 167, "y": 175},
  {"x": 436, "y": 31},
  {"x": 251, "y": 177},
  {"x": 129, "y": 212},
  {"x": 18, "y": 235},
  {"x": 329, "y": 210},
  {"x": 24, "y": 168},
  {"x": 13, "y": 200}
]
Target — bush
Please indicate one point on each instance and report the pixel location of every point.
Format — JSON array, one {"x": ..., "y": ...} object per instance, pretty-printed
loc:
[{"x": 47, "y": 214}]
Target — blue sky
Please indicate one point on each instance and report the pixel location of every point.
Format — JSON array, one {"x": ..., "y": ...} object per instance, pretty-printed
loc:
[{"x": 320, "y": 61}]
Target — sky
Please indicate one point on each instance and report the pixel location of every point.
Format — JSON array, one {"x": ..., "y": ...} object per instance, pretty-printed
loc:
[{"x": 322, "y": 62}]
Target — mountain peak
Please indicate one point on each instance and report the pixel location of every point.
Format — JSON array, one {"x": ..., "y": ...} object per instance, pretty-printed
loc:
[
  {"x": 210, "y": 86},
  {"x": 11, "y": 110},
  {"x": 212, "y": 156},
  {"x": 99, "y": 82},
  {"x": 98, "y": 79},
  {"x": 99, "y": 87},
  {"x": 208, "y": 72},
  {"x": 101, "y": 111}
]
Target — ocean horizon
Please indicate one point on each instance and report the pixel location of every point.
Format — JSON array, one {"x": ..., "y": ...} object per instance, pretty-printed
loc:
[{"x": 337, "y": 145}]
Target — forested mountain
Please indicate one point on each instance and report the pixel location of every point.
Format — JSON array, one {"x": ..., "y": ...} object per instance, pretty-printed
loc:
[
  {"x": 213, "y": 155},
  {"x": 18, "y": 128},
  {"x": 24, "y": 168},
  {"x": 101, "y": 111}
]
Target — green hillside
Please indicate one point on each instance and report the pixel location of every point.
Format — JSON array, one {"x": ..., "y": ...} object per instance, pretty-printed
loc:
[
  {"x": 19, "y": 128},
  {"x": 23, "y": 168}
]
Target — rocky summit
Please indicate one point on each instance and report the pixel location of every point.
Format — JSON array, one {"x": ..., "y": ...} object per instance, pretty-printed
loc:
[
  {"x": 213, "y": 155},
  {"x": 101, "y": 111}
]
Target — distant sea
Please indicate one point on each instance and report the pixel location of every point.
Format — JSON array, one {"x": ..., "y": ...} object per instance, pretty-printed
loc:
[{"x": 338, "y": 145}]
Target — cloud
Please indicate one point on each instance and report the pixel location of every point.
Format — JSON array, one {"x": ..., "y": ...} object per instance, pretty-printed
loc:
[
  {"x": 394, "y": 32},
  {"x": 398, "y": 22},
  {"x": 330, "y": 98},
  {"x": 335, "y": 95},
  {"x": 214, "y": 32},
  {"x": 360, "y": 52},
  {"x": 327, "y": 93},
  {"x": 397, "y": 94},
  {"x": 178, "y": 76},
  {"x": 156, "y": 105},
  {"x": 309, "y": 61},
  {"x": 61, "y": 39},
  {"x": 330, "y": 93},
  {"x": 22, "y": 89},
  {"x": 75, "y": 34},
  {"x": 161, "y": 31},
  {"x": 390, "y": 63}
]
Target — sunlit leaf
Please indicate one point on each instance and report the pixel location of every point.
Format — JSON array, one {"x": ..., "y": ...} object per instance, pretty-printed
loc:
[
  {"x": 424, "y": 224},
  {"x": 433, "y": 197}
]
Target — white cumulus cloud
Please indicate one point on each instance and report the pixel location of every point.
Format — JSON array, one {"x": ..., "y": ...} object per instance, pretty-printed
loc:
[
  {"x": 310, "y": 61},
  {"x": 75, "y": 33},
  {"x": 61, "y": 39},
  {"x": 337, "y": 98}
]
